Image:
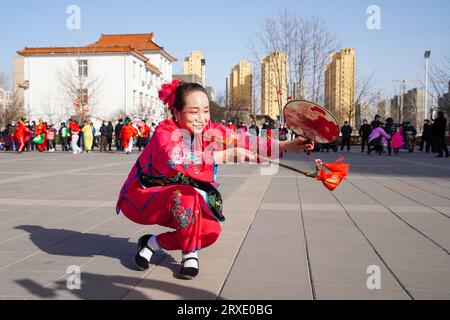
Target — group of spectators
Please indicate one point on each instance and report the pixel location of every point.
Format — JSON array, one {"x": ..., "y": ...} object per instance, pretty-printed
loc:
[
  {"x": 29, "y": 136},
  {"x": 25, "y": 136},
  {"x": 396, "y": 136}
]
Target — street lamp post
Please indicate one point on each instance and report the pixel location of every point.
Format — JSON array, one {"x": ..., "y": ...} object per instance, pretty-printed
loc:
[{"x": 427, "y": 58}]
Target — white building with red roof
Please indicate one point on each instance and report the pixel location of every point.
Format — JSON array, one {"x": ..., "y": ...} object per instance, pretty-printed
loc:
[{"x": 120, "y": 74}]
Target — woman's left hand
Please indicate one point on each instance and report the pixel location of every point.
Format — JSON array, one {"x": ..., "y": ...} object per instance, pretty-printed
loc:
[{"x": 297, "y": 145}]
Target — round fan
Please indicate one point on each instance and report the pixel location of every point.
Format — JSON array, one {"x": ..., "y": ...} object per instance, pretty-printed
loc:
[{"x": 311, "y": 121}]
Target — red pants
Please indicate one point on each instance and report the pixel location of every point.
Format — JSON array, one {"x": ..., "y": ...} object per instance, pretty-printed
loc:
[
  {"x": 179, "y": 207},
  {"x": 21, "y": 144}
]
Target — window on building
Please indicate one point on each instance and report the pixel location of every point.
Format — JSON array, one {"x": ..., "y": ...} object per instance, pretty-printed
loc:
[
  {"x": 82, "y": 68},
  {"x": 134, "y": 97},
  {"x": 141, "y": 99},
  {"x": 134, "y": 69}
]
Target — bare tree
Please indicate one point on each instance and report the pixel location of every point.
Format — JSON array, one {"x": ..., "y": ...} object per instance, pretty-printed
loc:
[
  {"x": 323, "y": 43},
  {"x": 440, "y": 83},
  {"x": 4, "y": 80},
  {"x": 236, "y": 111},
  {"x": 11, "y": 108},
  {"x": 363, "y": 100},
  {"x": 306, "y": 44},
  {"x": 78, "y": 85}
]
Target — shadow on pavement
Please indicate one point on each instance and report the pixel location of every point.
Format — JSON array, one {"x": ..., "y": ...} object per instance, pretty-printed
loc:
[
  {"x": 70, "y": 243},
  {"x": 102, "y": 287}
]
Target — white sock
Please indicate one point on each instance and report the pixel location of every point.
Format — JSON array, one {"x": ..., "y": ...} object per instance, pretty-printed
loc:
[
  {"x": 146, "y": 253},
  {"x": 190, "y": 263}
]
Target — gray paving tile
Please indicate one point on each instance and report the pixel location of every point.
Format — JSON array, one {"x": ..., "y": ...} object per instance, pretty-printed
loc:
[
  {"x": 343, "y": 256},
  {"x": 334, "y": 292},
  {"x": 350, "y": 275},
  {"x": 423, "y": 278},
  {"x": 244, "y": 289},
  {"x": 336, "y": 241},
  {"x": 283, "y": 270},
  {"x": 430, "y": 295},
  {"x": 255, "y": 252},
  {"x": 280, "y": 241},
  {"x": 416, "y": 259},
  {"x": 404, "y": 243}
]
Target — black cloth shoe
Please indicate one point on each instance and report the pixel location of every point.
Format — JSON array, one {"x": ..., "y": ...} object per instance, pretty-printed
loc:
[
  {"x": 188, "y": 273},
  {"x": 142, "y": 263}
]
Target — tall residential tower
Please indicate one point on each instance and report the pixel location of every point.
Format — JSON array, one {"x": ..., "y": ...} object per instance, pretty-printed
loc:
[
  {"x": 195, "y": 64},
  {"x": 274, "y": 84},
  {"x": 340, "y": 85}
]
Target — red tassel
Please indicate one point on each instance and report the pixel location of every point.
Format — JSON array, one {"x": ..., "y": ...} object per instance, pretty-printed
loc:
[{"x": 338, "y": 173}]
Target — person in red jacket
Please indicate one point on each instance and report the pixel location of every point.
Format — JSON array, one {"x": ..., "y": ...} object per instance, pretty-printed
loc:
[
  {"x": 41, "y": 129},
  {"x": 22, "y": 134},
  {"x": 145, "y": 135},
  {"x": 127, "y": 134}
]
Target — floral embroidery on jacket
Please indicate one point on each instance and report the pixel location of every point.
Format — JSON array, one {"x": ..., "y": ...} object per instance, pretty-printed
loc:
[{"x": 184, "y": 218}]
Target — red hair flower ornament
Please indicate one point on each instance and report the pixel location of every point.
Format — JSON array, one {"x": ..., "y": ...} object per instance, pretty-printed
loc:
[{"x": 167, "y": 93}]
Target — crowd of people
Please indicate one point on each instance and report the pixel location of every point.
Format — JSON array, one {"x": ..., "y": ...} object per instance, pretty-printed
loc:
[
  {"x": 395, "y": 136},
  {"x": 379, "y": 137},
  {"x": 26, "y": 136}
]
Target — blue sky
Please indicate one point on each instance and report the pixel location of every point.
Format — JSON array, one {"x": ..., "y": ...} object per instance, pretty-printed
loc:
[{"x": 222, "y": 30}]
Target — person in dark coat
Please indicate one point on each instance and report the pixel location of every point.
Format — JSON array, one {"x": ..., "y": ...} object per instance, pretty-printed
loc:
[
  {"x": 103, "y": 137},
  {"x": 427, "y": 136},
  {"x": 117, "y": 130},
  {"x": 346, "y": 131},
  {"x": 109, "y": 135},
  {"x": 410, "y": 133},
  {"x": 440, "y": 126},
  {"x": 364, "y": 133},
  {"x": 376, "y": 122},
  {"x": 255, "y": 129},
  {"x": 390, "y": 129}
]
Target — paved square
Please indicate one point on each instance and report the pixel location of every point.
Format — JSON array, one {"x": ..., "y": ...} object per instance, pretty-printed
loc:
[{"x": 286, "y": 236}]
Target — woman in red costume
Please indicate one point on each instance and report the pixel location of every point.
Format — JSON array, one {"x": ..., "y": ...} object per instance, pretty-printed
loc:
[
  {"x": 22, "y": 134},
  {"x": 41, "y": 128},
  {"x": 173, "y": 184},
  {"x": 127, "y": 134}
]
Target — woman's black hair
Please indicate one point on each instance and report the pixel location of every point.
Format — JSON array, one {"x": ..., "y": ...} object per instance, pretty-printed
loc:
[{"x": 182, "y": 92}]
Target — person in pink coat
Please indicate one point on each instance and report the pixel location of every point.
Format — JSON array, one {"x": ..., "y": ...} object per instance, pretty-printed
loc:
[
  {"x": 375, "y": 139},
  {"x": 397, "y": 140}
]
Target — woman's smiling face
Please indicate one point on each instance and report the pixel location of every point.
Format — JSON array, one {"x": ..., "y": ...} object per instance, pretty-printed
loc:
[{"x": 195, "y": 114}]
